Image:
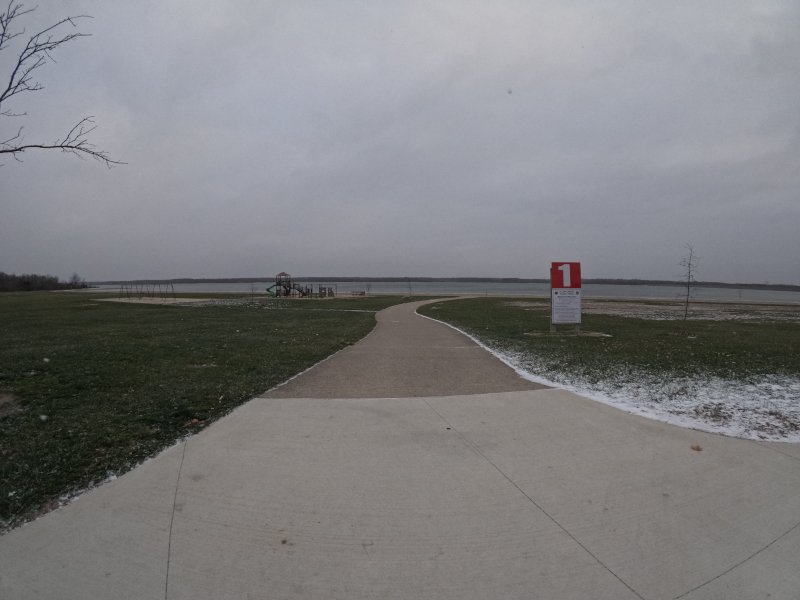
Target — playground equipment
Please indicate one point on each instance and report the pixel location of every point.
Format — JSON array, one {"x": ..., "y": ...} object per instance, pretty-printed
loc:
[{"x": 286, "y": 287}]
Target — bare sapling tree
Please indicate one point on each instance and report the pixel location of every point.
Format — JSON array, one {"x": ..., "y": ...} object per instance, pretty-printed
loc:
[
  {"x": 30, "y": 52},
  {"x": 76, "y": 282},
  {"x": 689, "y": 264}
]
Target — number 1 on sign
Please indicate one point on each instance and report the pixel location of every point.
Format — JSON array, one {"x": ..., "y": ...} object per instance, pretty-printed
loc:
[{"x": 565, "y": 272}]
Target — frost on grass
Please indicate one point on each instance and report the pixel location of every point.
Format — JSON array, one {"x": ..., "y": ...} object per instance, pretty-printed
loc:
[{"x": 766, "y": 407}]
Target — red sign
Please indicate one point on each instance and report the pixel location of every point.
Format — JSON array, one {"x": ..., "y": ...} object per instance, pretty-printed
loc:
[{"x": 565, "y": 275}]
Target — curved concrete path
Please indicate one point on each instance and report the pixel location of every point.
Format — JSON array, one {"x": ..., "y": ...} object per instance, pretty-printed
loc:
[
  {"x": 517, "y": 493},
  {"x": 406, "y": 355}
]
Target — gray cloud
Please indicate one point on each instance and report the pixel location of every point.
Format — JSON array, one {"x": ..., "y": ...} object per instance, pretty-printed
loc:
[{"x": 417, "y": 138}]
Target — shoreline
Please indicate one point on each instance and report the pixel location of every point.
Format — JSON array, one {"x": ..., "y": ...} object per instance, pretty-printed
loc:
[{"x": 784, "y": 287}]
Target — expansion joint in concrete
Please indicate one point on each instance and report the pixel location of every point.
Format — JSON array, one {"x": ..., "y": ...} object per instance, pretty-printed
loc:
[
  {"x": 476, "y": 449},
  {"x": 741, "y": 562},
  {"x": 172, "y": 519},
  {"x": 774, "y": 448}
]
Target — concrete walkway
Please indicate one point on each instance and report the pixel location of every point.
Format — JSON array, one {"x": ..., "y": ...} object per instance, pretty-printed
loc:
[
  {"x": 406, "y": 355},
  {"x": 506, "y": 493}
]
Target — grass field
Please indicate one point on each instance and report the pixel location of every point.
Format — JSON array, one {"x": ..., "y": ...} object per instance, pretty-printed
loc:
[
  {"x": 735, "y": 371},
  {"x": 91, "y": 388}
]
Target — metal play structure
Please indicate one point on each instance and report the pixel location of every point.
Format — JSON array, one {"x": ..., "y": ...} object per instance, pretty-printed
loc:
[
  {"x": 139, "y": 290},
  {"x": 286, "y": 287}
]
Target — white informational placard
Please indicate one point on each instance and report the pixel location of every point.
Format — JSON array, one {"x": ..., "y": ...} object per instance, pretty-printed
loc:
[{"x": 566, "y": 306}]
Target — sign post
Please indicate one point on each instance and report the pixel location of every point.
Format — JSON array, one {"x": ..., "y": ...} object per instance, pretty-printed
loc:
[{"x": 565, "y": 294}]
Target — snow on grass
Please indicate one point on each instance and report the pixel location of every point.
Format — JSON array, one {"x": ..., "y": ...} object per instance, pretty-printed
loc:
[
  {"x": 762, "y": 408},
  {"x": 766, "y": 407}
]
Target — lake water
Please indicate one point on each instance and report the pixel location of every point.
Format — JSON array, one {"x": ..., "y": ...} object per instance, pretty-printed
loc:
[{"x": 433, "y": 288}]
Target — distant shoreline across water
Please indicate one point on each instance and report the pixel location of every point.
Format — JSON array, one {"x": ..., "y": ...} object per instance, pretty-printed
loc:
[
  {"x": 471, "y": 286},
  {"x": 476, "y": 280}
]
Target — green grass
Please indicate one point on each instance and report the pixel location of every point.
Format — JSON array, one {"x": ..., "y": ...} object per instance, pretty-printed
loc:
[
  {"x": 727, "y": 349},
  {"x": 92, "y": 388}
]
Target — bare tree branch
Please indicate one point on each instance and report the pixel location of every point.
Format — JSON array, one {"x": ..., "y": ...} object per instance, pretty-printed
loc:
[
  {"x": 13, "y": 11},
  {"x": 75, "y": 142},
  {"x": 35, "y": 53}
]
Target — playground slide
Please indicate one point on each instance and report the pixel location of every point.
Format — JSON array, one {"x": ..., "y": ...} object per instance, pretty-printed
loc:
[{"x": 283, "y": 290}]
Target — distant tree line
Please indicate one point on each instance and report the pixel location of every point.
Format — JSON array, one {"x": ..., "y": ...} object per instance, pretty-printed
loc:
[{"x": 34, "y": 283}]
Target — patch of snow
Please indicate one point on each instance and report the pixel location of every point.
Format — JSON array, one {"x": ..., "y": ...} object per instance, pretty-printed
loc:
[
  {"x": 760, "y": 408},
  {"x": 765, "y": 408}
]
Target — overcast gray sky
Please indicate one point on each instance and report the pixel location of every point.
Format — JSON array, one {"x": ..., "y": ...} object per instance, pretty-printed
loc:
[{"x": 414, "y": 138}]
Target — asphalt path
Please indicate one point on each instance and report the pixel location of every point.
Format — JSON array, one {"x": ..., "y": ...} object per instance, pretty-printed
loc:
[{"x": 415, "y": 465}]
